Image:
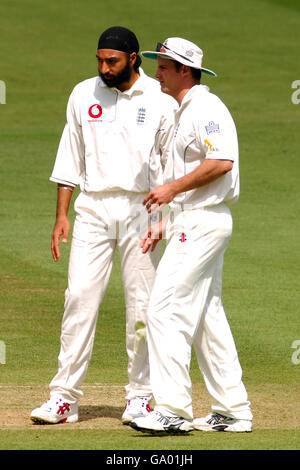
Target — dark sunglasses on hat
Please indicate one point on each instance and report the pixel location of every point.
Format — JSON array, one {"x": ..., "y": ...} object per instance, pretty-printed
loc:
[{"x": 163, "y": 48}]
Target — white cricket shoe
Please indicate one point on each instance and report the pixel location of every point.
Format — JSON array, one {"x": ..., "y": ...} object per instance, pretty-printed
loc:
[
  {"x": 156, "y": 422},
  {"x": 218, "y": 422},
  {"x": 55, "y": 410},
  {"x": 136, "y": 408}
]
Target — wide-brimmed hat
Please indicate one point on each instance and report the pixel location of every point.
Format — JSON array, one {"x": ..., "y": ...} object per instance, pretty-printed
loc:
[{"x": 181, "y": 50}]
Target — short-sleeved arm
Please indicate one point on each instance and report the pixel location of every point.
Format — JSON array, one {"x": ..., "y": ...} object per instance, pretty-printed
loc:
[
  {"x": 69, "y": 163},
  {"x": 216, "y": 133}
]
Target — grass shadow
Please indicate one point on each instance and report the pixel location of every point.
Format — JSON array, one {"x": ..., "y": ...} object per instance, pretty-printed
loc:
[{"x": 89, "y": 412}]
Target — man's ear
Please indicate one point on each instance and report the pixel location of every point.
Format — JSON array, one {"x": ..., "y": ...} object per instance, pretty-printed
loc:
[
  {"x": 185, "y": 70},
  {"x": 132, "y": 58}
]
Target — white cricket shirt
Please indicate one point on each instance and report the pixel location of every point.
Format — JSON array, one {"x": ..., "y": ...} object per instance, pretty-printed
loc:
[
  {"x": 115, "y": 140},
  {"x": 204, "y": 129}
]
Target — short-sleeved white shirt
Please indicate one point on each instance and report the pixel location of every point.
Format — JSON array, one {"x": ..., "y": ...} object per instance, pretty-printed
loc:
[
  {"x": 115, "y": 140},
  {"x": 204, "y": 129}
]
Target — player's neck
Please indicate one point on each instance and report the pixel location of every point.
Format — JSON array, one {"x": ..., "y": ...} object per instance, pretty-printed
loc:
[
  {"x": 184, "y": 91},
  {"x": 127, "y": 85}
]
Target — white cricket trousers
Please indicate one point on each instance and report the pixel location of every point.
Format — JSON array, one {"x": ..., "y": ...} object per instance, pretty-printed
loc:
[
  {"x": 104, "y": 222},
  {"x": 186, "y": 310}
]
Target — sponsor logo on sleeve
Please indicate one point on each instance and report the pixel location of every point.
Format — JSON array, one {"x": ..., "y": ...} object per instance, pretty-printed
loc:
[{"x": 211, "y": 148}]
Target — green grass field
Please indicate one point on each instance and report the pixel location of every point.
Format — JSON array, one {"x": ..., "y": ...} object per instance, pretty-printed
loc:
[{"x": 46, "y": 48}]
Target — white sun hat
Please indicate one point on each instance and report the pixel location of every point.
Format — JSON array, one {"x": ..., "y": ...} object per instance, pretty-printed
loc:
[{"x": 181, "y": 50}]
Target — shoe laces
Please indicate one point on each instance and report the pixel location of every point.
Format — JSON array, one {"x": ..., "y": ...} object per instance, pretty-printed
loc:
[
  {"x": 217, "y": 418},
  {"x": 164, "y": 420},
  {"x": 168, "y": 421}
]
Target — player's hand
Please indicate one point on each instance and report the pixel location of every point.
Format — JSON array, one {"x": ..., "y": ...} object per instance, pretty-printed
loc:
[
  {"x": 154, "y": 234},
  {"x": 150, "y": 240},
  {"x": 61, "y": 230},
  {"x": 159, "y": 196}
]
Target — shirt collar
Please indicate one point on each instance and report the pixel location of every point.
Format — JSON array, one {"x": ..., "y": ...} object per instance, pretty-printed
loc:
[
  {"x": 137, "y": 88},
  {"x": 195, "y": 89}
]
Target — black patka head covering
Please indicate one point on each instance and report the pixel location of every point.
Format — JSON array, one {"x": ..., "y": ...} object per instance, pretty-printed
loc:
[{"x": 120, "y": 39}]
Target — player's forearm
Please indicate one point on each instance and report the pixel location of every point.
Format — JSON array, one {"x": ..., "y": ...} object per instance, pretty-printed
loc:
[
  {"x": 64, "y": 196},
  {"x": 204, "y": 174}
]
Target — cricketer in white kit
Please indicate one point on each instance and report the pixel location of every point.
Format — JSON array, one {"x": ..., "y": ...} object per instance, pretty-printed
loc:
[
  {"x": 185, "y": 310},
  {"x": 114, "y": 146}
]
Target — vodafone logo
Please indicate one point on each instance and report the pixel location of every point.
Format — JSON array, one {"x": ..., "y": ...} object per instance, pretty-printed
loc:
[{"x": 95, "y": 111}]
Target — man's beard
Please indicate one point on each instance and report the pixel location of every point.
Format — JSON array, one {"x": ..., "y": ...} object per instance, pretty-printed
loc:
[{"x": 117, "y": 80}]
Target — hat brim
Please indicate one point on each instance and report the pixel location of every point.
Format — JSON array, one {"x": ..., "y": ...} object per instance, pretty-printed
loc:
[{"x": 153, "y": 55}]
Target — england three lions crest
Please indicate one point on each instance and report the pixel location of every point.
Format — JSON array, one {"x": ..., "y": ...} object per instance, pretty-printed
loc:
[{"x": 141, "y": 116}]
